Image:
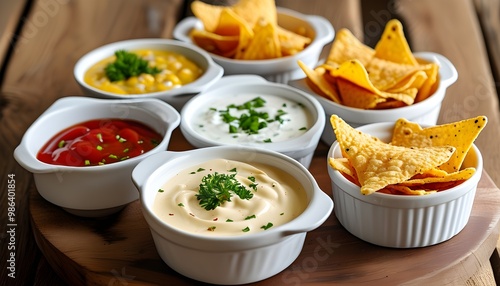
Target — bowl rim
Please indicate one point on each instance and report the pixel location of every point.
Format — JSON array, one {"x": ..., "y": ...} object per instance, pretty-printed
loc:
[
  {"x": 321, "y": 37},
  {"x": 212, "y": 72},
  {"x": 65, "y": 104},
  {"x": 239, "y": 83},
  {"x": 317, "y": 199},
  {"x": 336, "y": 177}
]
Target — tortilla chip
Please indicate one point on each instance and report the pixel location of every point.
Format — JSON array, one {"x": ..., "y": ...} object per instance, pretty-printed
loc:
[
  {"x": 342, "y": 165},
  {"x": 429, "y": 86},
  {"x": 320, "y": 82},
  {"x": 393, "y": 46},
  {"x": 264, "y": 45},
  {"x": 354, "y": 96},
  {"x": 459, "y": 134},
  {"x": 257, "y": 11},
  {"x": 216, "y": 44},
  {"x": 207, "y": 14},
  {"x": 347, "y": 47},
  {"x": 379, "y": 164},
  {"x": 355, "y": 72}
]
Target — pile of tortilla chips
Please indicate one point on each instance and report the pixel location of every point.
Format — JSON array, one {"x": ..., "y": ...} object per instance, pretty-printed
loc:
[
  {"x": 247, "y": 30},
  {"x": 388, "y": 76},
  {"x": 417, "y": 161}
]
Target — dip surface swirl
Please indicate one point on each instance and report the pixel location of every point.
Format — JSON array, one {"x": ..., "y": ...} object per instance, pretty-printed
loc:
[
  {"x": 277, "y": 198},
  {"x": 230, "y": 119}
]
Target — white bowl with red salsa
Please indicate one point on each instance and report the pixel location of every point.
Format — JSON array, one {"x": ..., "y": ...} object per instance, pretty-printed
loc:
[{"x": 81, "y": 150}]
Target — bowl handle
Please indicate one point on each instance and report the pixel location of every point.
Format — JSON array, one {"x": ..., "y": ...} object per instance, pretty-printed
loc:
[
  {"x": 184, "y": 27},
  {"x": 146, "y": 167},
  {"x": 319, "y": 210}
]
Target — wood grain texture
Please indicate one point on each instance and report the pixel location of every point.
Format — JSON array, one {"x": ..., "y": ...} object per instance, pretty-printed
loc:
[
  {"x": 489, "y": 16},
  {"x": 456, "y": 34},
  {"x": 10, "y": 13}
]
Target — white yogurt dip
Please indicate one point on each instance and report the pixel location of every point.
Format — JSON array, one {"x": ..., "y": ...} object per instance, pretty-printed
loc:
[
  {"x": 276, "y": 198},
  {"x": 252, "y": 118}
]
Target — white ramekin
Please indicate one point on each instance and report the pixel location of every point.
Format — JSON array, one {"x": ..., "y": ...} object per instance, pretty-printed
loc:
[
  {"x": 276, "y": 70},
  {"x": 236, "y": 259},
  {"x": 300, "y": 148},
  {"x": 91, "y": 191},
  {"x": 403, "y": 221}
]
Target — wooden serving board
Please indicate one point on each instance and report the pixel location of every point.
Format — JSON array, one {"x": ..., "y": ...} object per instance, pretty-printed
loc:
[{"x": 119, "y": 250}]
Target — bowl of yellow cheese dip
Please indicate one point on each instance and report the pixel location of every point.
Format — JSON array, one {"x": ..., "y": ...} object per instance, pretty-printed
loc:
[
  {"x": 229, "y": 207},
  {"x": 251, "y": 111},
  {"x": 160, "y": 68}
]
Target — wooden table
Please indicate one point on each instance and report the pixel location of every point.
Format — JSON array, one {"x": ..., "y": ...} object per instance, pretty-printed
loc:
[{"x": 41, "y": 40}]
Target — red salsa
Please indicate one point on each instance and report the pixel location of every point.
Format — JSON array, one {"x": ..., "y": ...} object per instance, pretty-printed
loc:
[{"x": 99, "y": 142}]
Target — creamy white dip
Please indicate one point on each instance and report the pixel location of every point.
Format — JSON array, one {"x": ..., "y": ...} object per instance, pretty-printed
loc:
[
  {"x": 286, "y": 119},
  {"x": 277, "y": 198}
]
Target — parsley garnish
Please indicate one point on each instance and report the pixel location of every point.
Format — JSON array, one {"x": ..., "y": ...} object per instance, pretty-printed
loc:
[
  {"x": 246, "y": 229},
  {"x": 128, "y": 65},
  {"x": 216, "y": 189},
  {"x": 267, "y": 226}
]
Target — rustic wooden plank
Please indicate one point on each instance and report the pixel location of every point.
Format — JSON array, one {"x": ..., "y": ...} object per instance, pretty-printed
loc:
[
  {"x": 10, "y": 15},
  {"x": 488, "y": 13},
  {"x": 458, "y": 37}
]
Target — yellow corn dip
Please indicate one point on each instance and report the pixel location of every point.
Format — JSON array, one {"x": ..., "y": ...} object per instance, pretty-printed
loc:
[{"x": 176, "y": 71}]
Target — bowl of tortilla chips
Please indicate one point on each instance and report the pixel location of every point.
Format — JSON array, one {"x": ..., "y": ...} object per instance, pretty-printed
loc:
[
  {"x": 366, "y": 85},
  {"x": 256, "y": 37},
  {"x": 401, "y": 185}
]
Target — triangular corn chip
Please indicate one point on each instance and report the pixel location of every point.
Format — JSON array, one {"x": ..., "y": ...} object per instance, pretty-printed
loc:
[
  {"x": 393, "y": 46},
  {"x": 459, "y": 134},
  {"x": 379, "y": 164}
]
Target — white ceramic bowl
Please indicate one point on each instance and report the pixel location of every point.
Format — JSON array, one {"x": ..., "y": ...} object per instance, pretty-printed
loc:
[
  {"x": 424, "y": 112},
  {"x": 235, "y": 259},
  {"x": 300, "y": 148},
  {"x": 402, "y": 221},
  {"x": 276, "y": 70},
  {"x": 175, "y": 97},
  {"x": 91, "y": 191}
]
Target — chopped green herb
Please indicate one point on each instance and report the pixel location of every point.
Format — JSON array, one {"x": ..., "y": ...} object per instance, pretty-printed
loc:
[
  {"x": 99, "y": 147},
  {"x": 180, "y": 204},
  {"x": 253, "y": 186},
  {"x": 232, "y": 170},
  {"x": 268, "y": 140},
  {"x": 87, "y": 162},
  {"x": 282, "y": 213},
  {"x": 303, "y": 128},
  {"x": 200, "y": 170},
  {"x": 251, "y": 178},
  {"x": 128, "y": 65},
  {"x": 250, "y": 217},
  {"x": 192, "y": 173},
  {"x": 124, "y": 158},
  {"x": 267, "y": 226},
  {"x": 61, "y": 144},
  {"x": 216, "y": 189},
  {"x": 213, "y": 109},
  {"x": 229, "y": 220},
  {"x": 121, "y": 140},
  {"x": 246, "y": 229},
  {"x": 113, "y": 156},
  {"x": 125, "y": 150},
  {"x": 160, "y": 190},
  {"x": 211, "y": 228}
]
